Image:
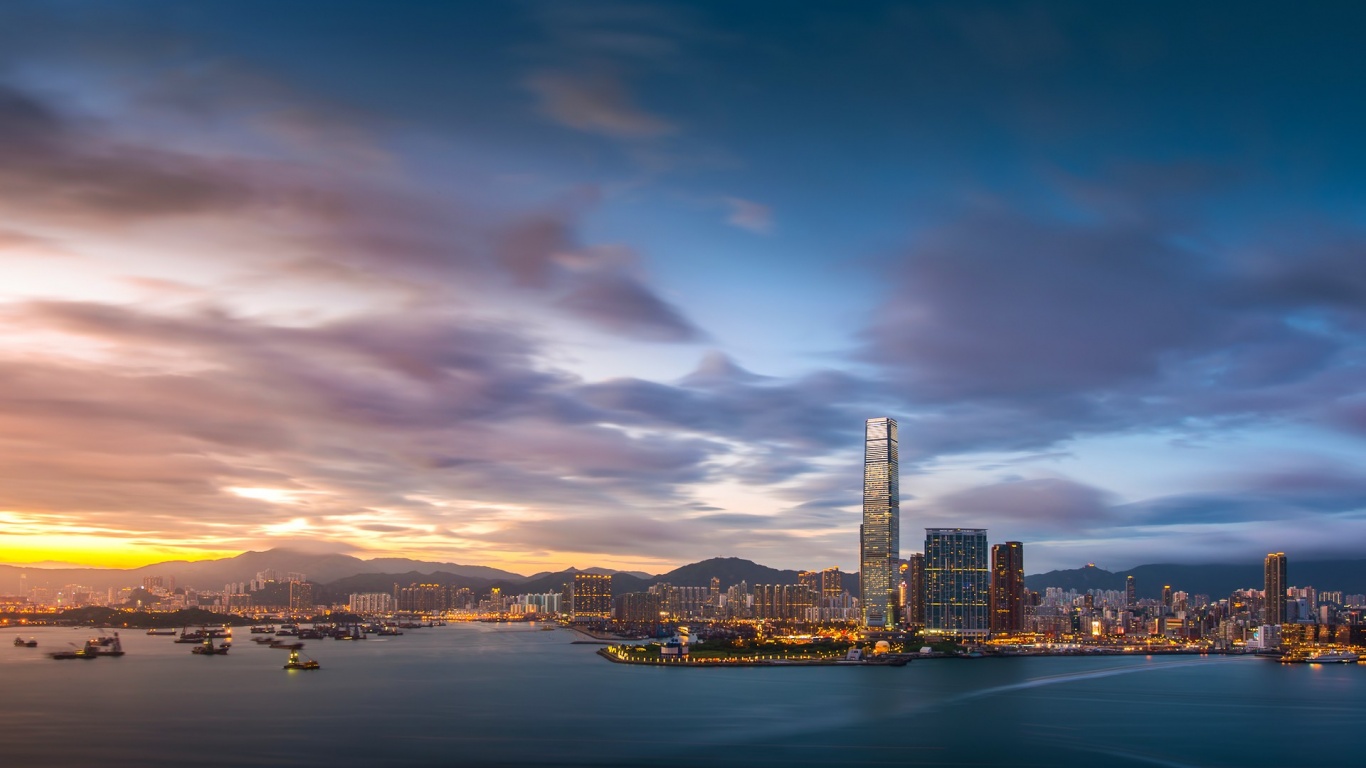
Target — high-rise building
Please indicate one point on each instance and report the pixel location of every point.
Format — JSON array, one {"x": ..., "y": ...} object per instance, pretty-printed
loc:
[
  {"x": 915, "y": 591},
  {"x": 832, "y": 582},
  {"x": 1167, "y": 599},
  {"x": 1007, "y": 587},
  {"x": 592, "y": 597},
  {"x": 1275, "y": 588},
  {"x": 1131, "y": 599},
  {"x": 957, "y": 583},
  {"x": 422, "y": 598},
  {"x": 880, "y": 534},
  {"x": 300, "y": 596}
]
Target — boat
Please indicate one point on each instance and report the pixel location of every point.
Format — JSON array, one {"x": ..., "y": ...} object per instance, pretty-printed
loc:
[
  {"x": 105, "y": 646},
  {"x": 389, "y": 631},
  {"x": 296, "y": 663},
  {"x": 209, "y": 649},
  {"x": 22, "y": 643},
  {"x": 1332, "y": 657},
  {"x": 286, "y": 646},
  {"x": 266, "y": 630},
  {"x": 167, "y": 632},
  {"x": 547, "y": 627},
  {"x": 88, "y": 651}
]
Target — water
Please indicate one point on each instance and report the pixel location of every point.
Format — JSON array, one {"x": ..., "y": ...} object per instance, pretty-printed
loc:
[{"x": 476, "y": 695}]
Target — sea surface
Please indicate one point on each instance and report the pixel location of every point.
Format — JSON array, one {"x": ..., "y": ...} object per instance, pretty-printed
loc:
[{"x": 507, "y": 695}]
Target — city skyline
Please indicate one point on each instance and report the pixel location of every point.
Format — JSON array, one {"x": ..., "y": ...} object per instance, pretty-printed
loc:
[{"x": 534, "y": 285}]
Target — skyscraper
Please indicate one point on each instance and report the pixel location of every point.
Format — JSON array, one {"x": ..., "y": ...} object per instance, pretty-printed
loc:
[
  {"x": 1130, "y": 598},
  {"x": 880, "y": 534},
  {"x": 957, "y": 583},
  {"x": 915, "y": 591},
  {"x": 1275, "y": 588},
  {"x": 1007, "y": 587}
]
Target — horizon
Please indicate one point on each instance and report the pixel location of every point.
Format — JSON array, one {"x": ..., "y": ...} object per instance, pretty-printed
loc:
[
  {"x": 652, "y": 574},
  {"x": 536, "y": 284}
]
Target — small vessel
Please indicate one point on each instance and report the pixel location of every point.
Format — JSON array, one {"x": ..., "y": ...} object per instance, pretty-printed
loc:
[
  {"x": 286, "y": 646},
  {"x": 389, "y": 630},
  {"x": 29, "y": 643},
  {"x": 296, "y": 663},
  {"x": 263, "y": 630},
  {"x": 166, "y": 632},
  {"x": 547, "y": 627},
  {"x": 207, "y": 648}
]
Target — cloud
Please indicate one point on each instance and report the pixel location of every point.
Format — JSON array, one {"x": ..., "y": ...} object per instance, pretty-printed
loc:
[
  {"x": 747, "y": 214},
  {"x": 1016, "y": 329},
  {"x": 598, "y": 103},
  {"x": 53, "y": 162},
  {"x": 622, "y": 304},
  {"x": 1037, "y": 505}
]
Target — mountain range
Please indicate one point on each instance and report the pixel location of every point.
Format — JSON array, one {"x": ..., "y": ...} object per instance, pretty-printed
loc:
[
  {"x": 343, "y": 574},
  {"x": 1216, "y": 581}
]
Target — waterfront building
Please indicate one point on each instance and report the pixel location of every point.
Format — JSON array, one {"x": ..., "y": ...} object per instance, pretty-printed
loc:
[
  {"x": 915, "y": 591},
  {"x": 957, "y": 583},
  {"x": 592, "y": 597},
  {"x": 1275, "y": 588},
  {"x": 1007, "y": 587},
  {"x": 880, "y": 534}
]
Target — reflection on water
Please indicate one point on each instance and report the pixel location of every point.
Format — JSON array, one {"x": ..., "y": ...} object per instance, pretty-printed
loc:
[{"x": 506, "y": 695}]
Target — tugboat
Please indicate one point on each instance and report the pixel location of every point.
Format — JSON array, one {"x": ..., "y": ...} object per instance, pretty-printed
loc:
[
  {"x": 22, "y": 643},
  {"x": 296, "y": 663},
  {"x": 209, "y": 649}
]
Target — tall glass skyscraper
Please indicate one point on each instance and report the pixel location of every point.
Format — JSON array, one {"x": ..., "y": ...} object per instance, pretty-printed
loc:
[
  {"x": 957, "y": 583},
  {"x": 880, "y": 534},
  {"x": 1275, "y": 588},
  {"x": 1007, "y": 587}
]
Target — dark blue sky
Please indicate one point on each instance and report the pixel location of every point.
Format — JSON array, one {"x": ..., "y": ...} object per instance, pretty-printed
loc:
[{"x": 540, "y": 284}]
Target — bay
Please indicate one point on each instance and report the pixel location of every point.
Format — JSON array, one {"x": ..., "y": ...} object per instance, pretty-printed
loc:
[{"x": 507, "y": 695}]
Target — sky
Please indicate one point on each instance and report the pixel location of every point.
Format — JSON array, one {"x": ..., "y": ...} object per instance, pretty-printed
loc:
[{"x": 537, "y": 285}]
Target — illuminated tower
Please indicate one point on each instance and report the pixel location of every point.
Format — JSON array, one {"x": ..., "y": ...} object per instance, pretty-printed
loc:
[
  {"x": 592, "y": 597},
  {"x": 1007, "y": 587},
  {"x": 1275, "y": 588},
  {"x": 1131, "y": 599},
  {"x": 957, "y": 583},
  {"x": 880, "y": 534}
]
